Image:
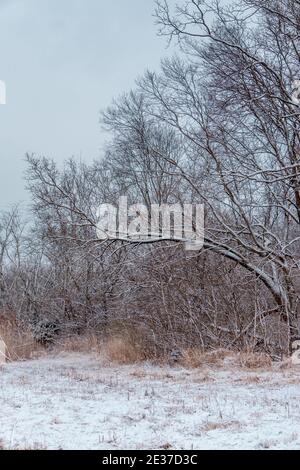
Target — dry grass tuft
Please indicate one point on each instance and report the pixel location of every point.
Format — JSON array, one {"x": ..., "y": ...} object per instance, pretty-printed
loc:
[
  {"x": 285, "y": 365},
  {"x": 166, "y": 446},
  {"x": 250, "y": 360},
  {"x": 213, "y": 426},
  {"x": 251, "y": 379},
  {"x": 20, "y": 344},
  {"x": 87, "y": 343},
  {"x": 195, "y": 358},
  {"x": 120, "y": 350},
  {"x": 128, "y": 344}
]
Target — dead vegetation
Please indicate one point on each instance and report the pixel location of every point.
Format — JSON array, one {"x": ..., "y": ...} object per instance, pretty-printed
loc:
[
  {"x": 213, "y": 426},
  {"x": 85, "y": 343},
  {"x": 127, "y": 344},
  {"x": 126, "y": 348},
  {"x": 117, "y": 349},
  {"x": 20, "y": 343},
  {"x": 194, "y": 358},
  {"x": 250, "y": 360}
]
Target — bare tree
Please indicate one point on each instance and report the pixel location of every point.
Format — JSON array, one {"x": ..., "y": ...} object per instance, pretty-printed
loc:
[
  {"x": 230, "y": 99},
  {"x": 216, "y": 125}
]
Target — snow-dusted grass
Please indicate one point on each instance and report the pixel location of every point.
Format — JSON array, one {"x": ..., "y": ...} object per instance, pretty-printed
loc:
[{"x": 74, "y": 401}]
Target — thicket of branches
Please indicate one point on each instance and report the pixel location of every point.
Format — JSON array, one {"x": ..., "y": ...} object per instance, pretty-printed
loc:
[{"x": 215, "y": 125}]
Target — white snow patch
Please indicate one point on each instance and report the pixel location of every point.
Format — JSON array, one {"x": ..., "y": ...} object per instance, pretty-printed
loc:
[{"x": 77, "y": 402}]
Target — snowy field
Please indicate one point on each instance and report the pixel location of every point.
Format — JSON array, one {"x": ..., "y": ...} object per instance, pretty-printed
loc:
[{"x": 74, "y": 401}]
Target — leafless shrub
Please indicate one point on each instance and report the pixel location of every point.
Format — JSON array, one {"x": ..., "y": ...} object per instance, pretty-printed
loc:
[{"x": 217, "y": 126}]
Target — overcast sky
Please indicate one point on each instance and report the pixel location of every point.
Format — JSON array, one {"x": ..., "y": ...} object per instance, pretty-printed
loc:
[{"x": 63, "y": 61}]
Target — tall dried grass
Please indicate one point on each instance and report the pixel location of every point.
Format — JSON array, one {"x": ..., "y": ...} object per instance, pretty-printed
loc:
[
  {"x": 124, "y": 343},
  {"x": 195, "y": 357},
  {"x": 251, "y": 360},
  {"x": 128, "y": 344},
  {"x": 118, "y": 349},
  {"x": 85, "y": 343},
  {"x": 20, "y": 344}
]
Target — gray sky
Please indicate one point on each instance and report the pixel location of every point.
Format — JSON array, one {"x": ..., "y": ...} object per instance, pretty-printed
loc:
[{"x": 63, "y": 61}]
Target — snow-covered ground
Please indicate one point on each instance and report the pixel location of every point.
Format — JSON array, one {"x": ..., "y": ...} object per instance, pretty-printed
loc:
[{"x": 74, "y": 401}]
